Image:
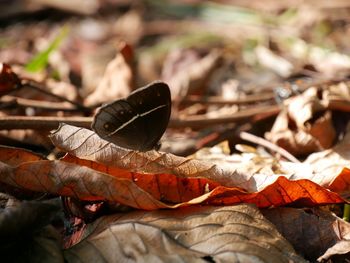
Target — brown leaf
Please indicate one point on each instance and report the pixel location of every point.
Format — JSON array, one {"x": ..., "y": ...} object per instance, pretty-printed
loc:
[
  {"x": 179, "y": 175},
  {"x": 85, "y": 144},
  {"x": 306, "y": 126},
  {"x": 24, "y": 232},
  {"x": 163, "y": 187},
  {"x": 230, "y": 234},
  {"x": 13, "y": 156},
  {"x": 8, "y": 79},
  {"x": 117, "y": 81},
  {"x": 311, "y": 232}
]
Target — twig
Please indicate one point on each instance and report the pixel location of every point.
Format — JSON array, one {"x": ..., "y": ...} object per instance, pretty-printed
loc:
[
  {"x": 220, "y": 101},
  {"x": 49, "y": 123},
  {"x": 260, "y": 141},
  {"x": 199, "y": 121},
  {"x": 36, "y": 86},
  {"x": 41, "y": 122},
  {"x": 12, "y": 101}
]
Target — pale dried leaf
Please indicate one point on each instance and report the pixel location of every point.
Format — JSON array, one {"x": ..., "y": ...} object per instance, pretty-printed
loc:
[
  {"x": 314, "y": 137},
  {"x": 274, "y": 62},
  {"x": 129, "y": 27},
  {"x": 302, "y": 108},
  {"x": 116, "y": 83},
  {"x": 93, "y": 66},
  {"x": 193, "y": 77},
  {"x": 85, "y": 144},
  {"x": 224, "y": 234},
  {"x": 252, "y": 172}
]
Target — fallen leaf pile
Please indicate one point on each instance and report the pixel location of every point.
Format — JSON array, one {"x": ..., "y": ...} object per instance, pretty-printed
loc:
[{"x": 254, "y": 165}]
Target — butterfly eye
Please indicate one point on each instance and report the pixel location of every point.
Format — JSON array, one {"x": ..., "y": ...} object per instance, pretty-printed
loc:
[{"x": 106, "y": 126}]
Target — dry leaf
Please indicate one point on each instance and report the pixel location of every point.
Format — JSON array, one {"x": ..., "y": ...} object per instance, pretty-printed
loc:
[
  {"x": 24, "y": 232},
  {"x": 180, "y": 175},
  {"x": 117, "y": 81},
  {"x": 311, "y": 232},
  {"x": 190, "y": 79},
  {"x": 306, "y": 126},
  {"x": 90, "y": 181},
  {"x": 274, "y": 62},
  {"x": 220, "y": 234}
]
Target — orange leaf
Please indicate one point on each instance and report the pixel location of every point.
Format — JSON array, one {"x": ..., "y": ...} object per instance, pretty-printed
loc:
[
  {"x": 68, "y": 179},
  {"x": 282, "y": 192},
  {"x": 163, "y": 187}
]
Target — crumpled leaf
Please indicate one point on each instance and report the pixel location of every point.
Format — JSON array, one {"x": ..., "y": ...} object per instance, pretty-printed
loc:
[
  {"x": 311, "y": 232},
  {"x": 117, "y": 81},
  {"x": 156, "y": 190},
  {"x": 219, "y": 234},
  {"x": 25, "y": 234},
  {"x": 335, "y": 161},
  {"x": 179, "y": 175},
  {"x": 305, "y": 126}
]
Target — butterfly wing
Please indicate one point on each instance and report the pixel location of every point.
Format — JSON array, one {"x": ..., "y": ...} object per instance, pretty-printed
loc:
[
  {"x": 137, "y": 122},
  {"x": 153, "y": 105}
]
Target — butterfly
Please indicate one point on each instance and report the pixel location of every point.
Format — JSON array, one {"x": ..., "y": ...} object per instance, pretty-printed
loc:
[{"x": 138, "y": 121}]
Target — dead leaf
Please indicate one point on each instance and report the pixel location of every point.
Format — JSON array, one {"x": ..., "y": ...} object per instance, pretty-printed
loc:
[
  {"x": 233, "y": 233},
  {"x": 93, "y": 66},
  {"x": 113, "y": 184},
  {"x": 24, "y": 231},
  {"x": 117, "y": 81},
  {"x": 306, "y": 126},
  {"x": 129, "y": 26},
  {"x": 311, "y": 232},
  {"x": 335, "y": 161},
  {"x": 193, "y": 77},
  {"x": 13, "y": 156},
  {"x": 274, "y": 62},
  {"x": 164, "y": 170}
]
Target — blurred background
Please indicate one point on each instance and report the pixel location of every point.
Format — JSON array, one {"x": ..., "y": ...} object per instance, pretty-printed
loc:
[{"x": 223, "y": 50}]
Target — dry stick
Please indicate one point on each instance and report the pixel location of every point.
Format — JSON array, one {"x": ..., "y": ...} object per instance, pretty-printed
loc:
[
  {"x": 260, "y": 141},
  {"x": 37, "y": 86},
  {"x": 200, "y": 121},
  {"x": 12, "y": 101},
  {"x": 221, "y": 101},
  {"x": 49, "y": 123},
  {"x": 41, "y": 122}
]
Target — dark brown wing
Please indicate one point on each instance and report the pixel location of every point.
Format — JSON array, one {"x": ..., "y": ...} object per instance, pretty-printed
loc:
[{"x": 137, "y": 122}]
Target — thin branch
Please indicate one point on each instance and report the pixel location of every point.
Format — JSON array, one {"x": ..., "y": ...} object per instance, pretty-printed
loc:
[
  {"x": 200, "y": 121},
  {"x": 37, "y": 86},
  {"x": 12, "y": 101},
  {"x": 41, "y": 122},
  {"x": 52, "y": 122},
  {"x": 220, "y": 101},
  {"x": 260, "y": 141}
]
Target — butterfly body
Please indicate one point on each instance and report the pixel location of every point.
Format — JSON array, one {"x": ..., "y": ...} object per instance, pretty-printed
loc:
[{"x": 138, "y": 121}]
